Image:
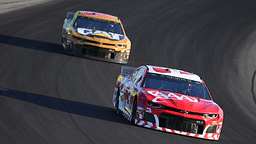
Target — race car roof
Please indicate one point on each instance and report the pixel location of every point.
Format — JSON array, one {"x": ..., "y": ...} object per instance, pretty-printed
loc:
[
  {"x": 99, "y": 15},
  {"x": 174, "y": 72}
]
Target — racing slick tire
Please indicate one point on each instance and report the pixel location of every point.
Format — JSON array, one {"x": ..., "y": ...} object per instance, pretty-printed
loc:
[
  {"x": 134, "y": 110},
  {"x": 64, "y": 44},
  {"x": 117, "y": 103}
]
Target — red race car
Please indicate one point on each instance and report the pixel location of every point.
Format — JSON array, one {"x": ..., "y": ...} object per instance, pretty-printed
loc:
[{"x": 168, "y": 100}]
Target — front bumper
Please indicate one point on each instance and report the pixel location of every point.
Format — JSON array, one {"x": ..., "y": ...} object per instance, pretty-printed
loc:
[
  {"x": 169, "y": 121},
  {"x": 144, "y": 123},
  {"x": 98, "y": 53}
]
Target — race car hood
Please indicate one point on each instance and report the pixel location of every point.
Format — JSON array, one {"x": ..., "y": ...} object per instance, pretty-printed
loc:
[
  {"x": 100, "y": 34},
  {"x": 182, "y": 102}
]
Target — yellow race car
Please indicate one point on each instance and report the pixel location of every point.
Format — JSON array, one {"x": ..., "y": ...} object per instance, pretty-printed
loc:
[{"x": 95, "y": 35}]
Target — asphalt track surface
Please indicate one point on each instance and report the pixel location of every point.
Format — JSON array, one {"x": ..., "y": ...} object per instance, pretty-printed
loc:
[
  {"x": 49, "y": 97},
  {"x": 12, "y": 5}
]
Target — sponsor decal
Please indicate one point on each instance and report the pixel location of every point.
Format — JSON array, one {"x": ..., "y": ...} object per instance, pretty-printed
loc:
[
  {"x": 90, "y": 13},
  {"x": 159, "y": 95},
  {"x": 109, "y": 35},
  {"x": 134, "y": 92},
  {"x": 186, "y": 73},
  {"x": 127, "y": 54},
  {"x": 122, "y": 97},
  {"x": 98, "y": 14},
  {"x": 157, "y": 99},
  {"x": 120, "y": 78},
  {"x": 161, "y": 70},
  {"x": 128, "y": 110},
  {"x": 75, "y": 16},
  {"x": 140, "y": 110}
]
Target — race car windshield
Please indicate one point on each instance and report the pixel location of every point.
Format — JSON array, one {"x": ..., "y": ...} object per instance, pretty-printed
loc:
[
  {"x": 176, "y": 85},
  {"x": 98, "y": 24}
]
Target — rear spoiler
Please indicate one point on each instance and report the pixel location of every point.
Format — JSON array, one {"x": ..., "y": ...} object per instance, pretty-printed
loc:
[
  {"x": 126, "y": 70},
  {"x": 70, "y": 15}
]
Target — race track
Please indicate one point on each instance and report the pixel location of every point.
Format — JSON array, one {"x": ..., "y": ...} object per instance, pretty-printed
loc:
[{"x": 49, "y": 97}]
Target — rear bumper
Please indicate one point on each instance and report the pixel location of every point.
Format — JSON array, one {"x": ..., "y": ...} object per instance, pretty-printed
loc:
[{"x": 98, "y": 53}]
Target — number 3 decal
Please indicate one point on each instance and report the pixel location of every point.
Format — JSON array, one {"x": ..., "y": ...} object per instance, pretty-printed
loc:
[{"x": 148, "y": 110}]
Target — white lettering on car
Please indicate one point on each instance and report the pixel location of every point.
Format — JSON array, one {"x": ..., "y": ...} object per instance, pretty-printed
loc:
[
  {"x": 158, "y": 95},
  {"x": 157, "y": 99},
  {"x": 85, "y": 31}
]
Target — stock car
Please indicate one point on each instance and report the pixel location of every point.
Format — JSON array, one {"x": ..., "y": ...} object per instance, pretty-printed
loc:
[
  {"x": 95, "y": 35},
  {"x": 168, "y": 100}
]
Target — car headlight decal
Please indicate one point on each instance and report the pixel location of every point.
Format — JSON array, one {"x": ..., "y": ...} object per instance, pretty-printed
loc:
[
  {"x": 120, "y": 45},
  {"x": 154, "y": 105},
  {"x": 210, "y": 115},
  {"x": 69, "y": 32}
]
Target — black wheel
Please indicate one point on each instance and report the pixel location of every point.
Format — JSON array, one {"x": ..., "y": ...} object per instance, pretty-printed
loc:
[
  {"x": 64, "y": 44},
  {"x": 117, "y": 103},
  {"x": 134, "y": 110},
  {"x": 61, "y": 43}
]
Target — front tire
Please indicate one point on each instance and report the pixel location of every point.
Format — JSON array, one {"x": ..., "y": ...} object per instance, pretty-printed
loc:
[
  {"x": 134, "y": 110},
  {"x": 64, "y": 45},
  {"x": 117, "y": 103}
]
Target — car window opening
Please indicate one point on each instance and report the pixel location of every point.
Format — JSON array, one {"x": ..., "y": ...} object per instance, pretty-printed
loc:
[
  {"x": 98, "y": 24},
  {"x": 176, "y": 85}
]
